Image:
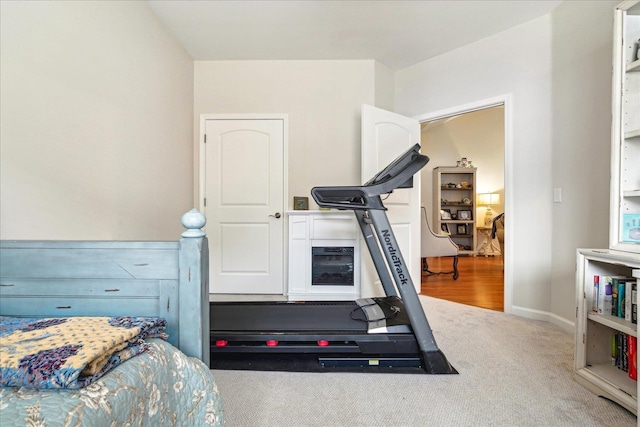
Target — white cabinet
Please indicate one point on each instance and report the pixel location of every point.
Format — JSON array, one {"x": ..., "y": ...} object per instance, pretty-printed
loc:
[
  {"x": 328, "y": 240},
  {"x": 454, "y": 205},
  {"x": 595, "y": 333},
  {"x": 625, "y": 154}
]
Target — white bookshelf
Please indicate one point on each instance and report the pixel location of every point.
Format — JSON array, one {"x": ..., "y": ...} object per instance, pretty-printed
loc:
[
  {"x": 593, "y": 340},
  {"x": 593, "y": 366}
]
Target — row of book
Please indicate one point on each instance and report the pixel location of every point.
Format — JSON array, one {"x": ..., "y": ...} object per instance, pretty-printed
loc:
[
  {"x": 616, "y": 296},
  {"x": 624, "y": 353}
]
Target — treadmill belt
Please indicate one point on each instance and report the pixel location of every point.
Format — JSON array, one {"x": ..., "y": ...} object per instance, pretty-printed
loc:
[{"x": 287, "y": 317}]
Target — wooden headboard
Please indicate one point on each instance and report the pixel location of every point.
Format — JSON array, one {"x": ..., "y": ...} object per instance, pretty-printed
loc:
[{"x": 114, "y": 278}]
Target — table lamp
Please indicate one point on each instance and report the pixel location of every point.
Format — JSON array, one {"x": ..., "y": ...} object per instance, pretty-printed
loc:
[{"x": 488, "y": 199}]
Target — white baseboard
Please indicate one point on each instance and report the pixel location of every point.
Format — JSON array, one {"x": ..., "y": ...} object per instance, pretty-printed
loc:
[{"x": 530, "y": 313}]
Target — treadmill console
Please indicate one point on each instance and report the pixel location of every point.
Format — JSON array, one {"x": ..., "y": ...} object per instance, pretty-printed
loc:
[
  {"x": 398, "y": 174},
  {"x": 396, "y": 167}
]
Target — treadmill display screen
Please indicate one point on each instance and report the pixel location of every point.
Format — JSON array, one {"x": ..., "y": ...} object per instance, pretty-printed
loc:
[{"x": 332, "y": 266}]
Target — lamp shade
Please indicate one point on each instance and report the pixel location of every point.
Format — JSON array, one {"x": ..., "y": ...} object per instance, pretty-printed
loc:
[{"x": 488, "y": 199}]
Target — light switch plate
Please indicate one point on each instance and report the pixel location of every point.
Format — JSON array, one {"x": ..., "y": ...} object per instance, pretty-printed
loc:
[{"x": 557, "y": 195}]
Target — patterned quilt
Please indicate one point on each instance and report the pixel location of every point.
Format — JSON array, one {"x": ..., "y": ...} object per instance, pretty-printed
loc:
[
  {"x": 69, "y": 353},
  {"x": 160, "y": 387}
]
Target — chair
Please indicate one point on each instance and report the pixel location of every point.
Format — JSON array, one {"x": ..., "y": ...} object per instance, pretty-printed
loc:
[
  {"x": 436, "y": 245},
  {"x": 497, "y": 231}
]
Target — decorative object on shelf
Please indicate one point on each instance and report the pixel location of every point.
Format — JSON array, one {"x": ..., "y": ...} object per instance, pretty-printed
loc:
[
  {"x": 488, "y": 199},
  {"x": 631, "y": 228},
  {"x": 462, "y": 229},
  {"x": 445, "y": 228},
  {"x": 466, "y": 201},
  {"x": 445, "y": 214},
  {"x": 300, "y": 203},
  {"x": 464, "y": 163},
  {"x": 464, "y": 215}
]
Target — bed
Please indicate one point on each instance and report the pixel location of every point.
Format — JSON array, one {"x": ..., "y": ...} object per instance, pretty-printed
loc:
[{"x": 44, "y": 284}]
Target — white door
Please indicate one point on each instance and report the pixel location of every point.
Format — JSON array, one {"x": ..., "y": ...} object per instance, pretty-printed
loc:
[
  {"x": 386, "y": 135},
  {"x": 243, "y": 190}
]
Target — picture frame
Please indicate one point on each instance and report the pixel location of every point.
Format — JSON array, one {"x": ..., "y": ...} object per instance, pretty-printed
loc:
[
  {"x": 300, "y": 203},
  {"x": 464, "y": 215},
  {"x": 462, "y": 229},
  {"x": 444, "y": 228},
  {"x": 445, "y": 214}
]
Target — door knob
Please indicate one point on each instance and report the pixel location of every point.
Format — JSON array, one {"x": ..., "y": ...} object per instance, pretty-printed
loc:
[{"x": 277, "y": 215}]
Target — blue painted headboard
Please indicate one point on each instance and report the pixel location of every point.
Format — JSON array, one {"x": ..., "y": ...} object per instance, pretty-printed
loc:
[{"x": 114, "y": 278}]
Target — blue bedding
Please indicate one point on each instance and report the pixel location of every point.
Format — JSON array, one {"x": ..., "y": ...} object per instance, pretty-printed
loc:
[{"x": 159, "y": 387}]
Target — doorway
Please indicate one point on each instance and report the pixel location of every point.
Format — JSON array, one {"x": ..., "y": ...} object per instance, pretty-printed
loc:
[{"x": 480, "y": 133}]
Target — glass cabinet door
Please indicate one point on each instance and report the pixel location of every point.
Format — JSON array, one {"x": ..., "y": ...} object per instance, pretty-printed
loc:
[{"x": 625, "y": 159}]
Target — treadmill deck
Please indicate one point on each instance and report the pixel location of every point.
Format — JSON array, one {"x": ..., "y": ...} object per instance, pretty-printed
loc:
[
  {"x": 302, "y": 327},
  {"x": 306, "y": 336},
  {"x": 286, "y": 317}
]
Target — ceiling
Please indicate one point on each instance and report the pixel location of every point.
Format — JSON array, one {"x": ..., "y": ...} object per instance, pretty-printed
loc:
[{"x": 395, "y": 33}]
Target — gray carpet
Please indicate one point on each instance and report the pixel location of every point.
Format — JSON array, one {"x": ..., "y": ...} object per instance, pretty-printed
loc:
[{"x": 513, "y": 372}]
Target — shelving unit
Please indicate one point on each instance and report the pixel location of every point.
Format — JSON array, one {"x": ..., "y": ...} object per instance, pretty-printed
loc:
[
  {"x": 625, "y": 155},
  {"x": 593, "y": 367},
  {"x": 593, "y": 344},
  {"x": 454, "y": 190}
]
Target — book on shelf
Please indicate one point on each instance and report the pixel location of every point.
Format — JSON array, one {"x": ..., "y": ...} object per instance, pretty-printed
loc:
[
  {"x": 634, "y": 303},
  {"x": 627, "y": 301},
  {"x": 605, "y": 285},
  {"x": 624, "y": 344},
  {"x": 615, "y": 297},
  {"x": 621, "y": 354},
  {"x": 596, "y": 290},
  {"x": 624, "y": 349},
  {"x": 633, "y": 358},
  {"x": 619, "y": 303}
]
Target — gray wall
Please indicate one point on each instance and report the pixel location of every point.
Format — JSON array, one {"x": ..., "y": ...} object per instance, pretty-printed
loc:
[{"x": 96, "y": 123}]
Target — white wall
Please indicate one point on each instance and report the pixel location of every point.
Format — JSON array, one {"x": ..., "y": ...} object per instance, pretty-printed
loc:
[
  {"x": 322, "y": 99},
  {"x": 581, "y": 139},
  {"x": 485, "y": 69},
  {"x": 96, "y": 123},
  {"x": 384, "y": 80},
  {"x": 529, "y": 63}
]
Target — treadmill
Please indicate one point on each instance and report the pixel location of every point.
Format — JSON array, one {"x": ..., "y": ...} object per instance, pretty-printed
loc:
[{"x": 381, "y": 334}]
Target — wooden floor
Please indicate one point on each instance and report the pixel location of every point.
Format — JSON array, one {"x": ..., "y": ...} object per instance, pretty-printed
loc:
[{"x": 480, "y": 283}]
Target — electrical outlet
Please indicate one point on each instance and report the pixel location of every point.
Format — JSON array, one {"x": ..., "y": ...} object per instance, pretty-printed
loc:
[{"x": 557, "y": 195}]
